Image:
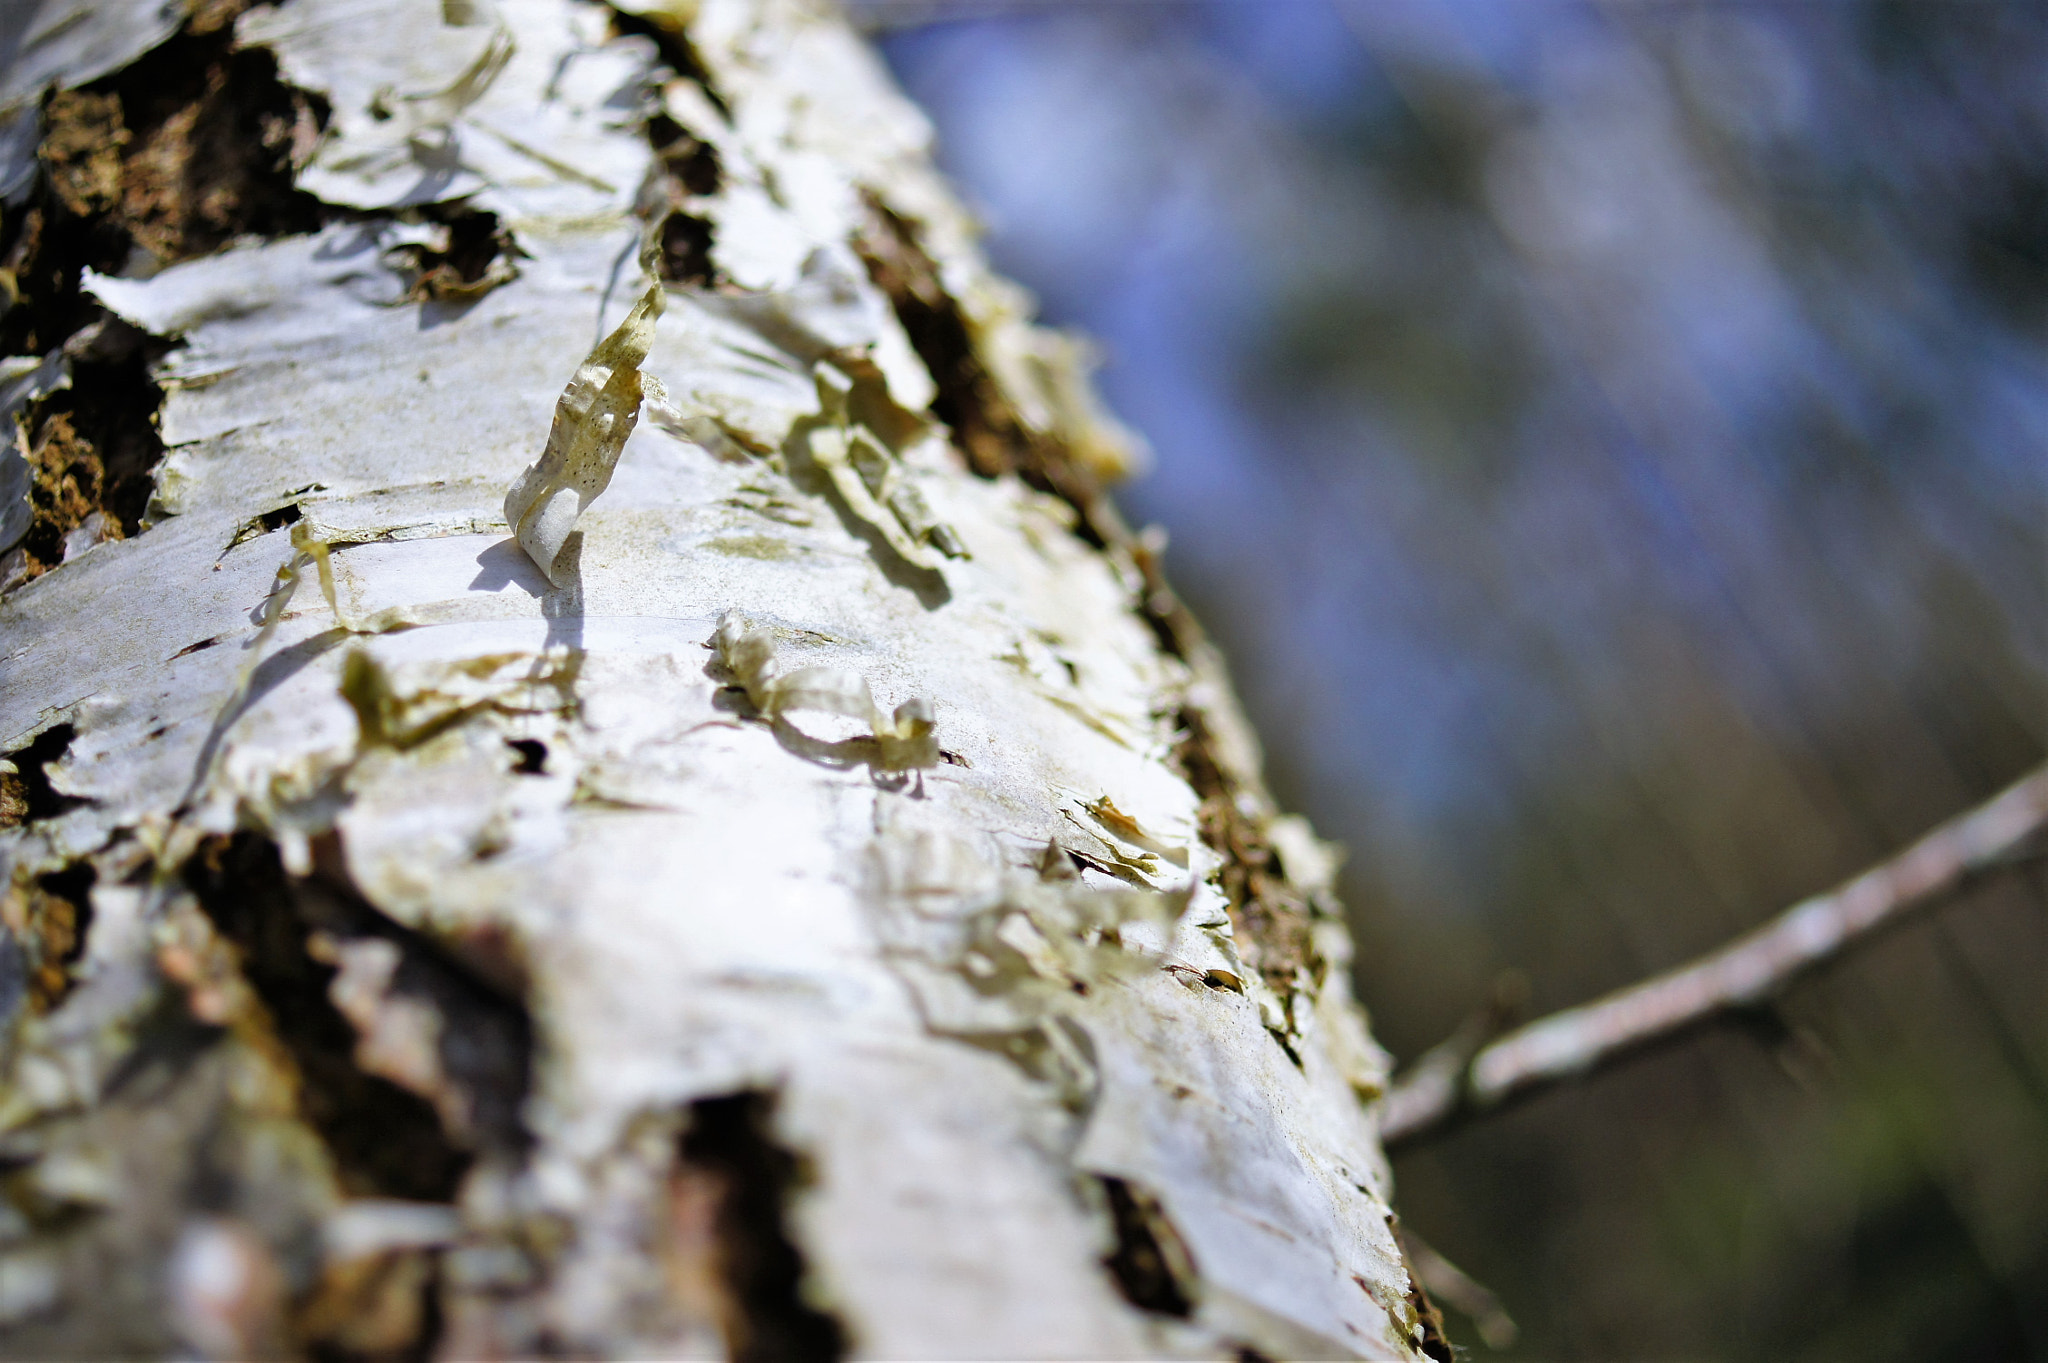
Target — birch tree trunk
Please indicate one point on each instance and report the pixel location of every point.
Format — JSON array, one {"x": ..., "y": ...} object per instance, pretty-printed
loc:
[{"x": 804, "y": 892}]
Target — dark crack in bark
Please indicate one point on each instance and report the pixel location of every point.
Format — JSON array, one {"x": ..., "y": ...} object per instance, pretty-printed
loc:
[
  {"x": 686, "y": 167},
  {"x": 1271, "y": 918},
  {"x": 668, "y": 29},
  {"x": 693, "y": 164},
  {"x": 175, "y": 1161},
  {"x": 1151, "y": 1263},
  {"x": 685, "y": 254},
  {"x": 26, "y": 794},
  {"x": 473, "y": 254},
  {"x": 730, "y": 1201},
  {"x": 985, "y": 427},
  {"x": 409, "y": 1063}
]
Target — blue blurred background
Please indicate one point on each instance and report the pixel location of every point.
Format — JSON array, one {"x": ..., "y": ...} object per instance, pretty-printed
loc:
[{"x": 1611, "y": 442}]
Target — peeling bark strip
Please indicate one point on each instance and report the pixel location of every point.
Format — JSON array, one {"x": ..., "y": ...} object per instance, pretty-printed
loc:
[{"x": 814, "y": 899}]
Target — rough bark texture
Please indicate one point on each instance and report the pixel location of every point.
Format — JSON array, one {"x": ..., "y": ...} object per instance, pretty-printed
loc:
[{"x": 831, "y": 910}]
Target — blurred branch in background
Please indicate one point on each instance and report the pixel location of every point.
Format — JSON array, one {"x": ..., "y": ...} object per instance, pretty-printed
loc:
[
  {"x": 1461, "y": 1078},
  {"x": 877, "y": 17}
]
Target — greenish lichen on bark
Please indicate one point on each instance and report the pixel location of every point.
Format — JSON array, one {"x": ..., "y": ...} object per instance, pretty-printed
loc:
[{"x": 1273, "y": 917}]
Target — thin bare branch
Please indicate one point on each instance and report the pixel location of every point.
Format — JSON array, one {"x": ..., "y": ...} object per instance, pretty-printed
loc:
[
  {"x": 1456, "y": 1288},
  {"x": 1459, "y": 1078},
  {"x": 879, "y": 17}
]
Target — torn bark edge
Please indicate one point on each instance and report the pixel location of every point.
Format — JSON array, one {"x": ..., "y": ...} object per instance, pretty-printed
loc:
[
  {"x": 1273, "y": 919},
  {"x": 1434, "y": 1343},
  {"x": 1415, "y": 1316},
  {"x": 1151, "y": 1263}
]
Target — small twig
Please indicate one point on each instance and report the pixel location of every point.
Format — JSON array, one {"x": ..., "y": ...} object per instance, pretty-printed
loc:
[
  {"x": 1459, "y": 1290},
  {"x": 1437, "y": 1078},
  {"x": 1446, "y": 1085}
]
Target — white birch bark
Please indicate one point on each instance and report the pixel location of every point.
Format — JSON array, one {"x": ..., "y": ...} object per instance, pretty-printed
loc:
[{"x": 811, "y": 765}]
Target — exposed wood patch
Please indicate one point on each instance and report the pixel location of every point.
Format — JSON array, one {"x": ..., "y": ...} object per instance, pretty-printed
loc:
[
  {"x": 26, "y": 794},
  {"x": 47, "y": 917},
  {"x": 176, "y": 155},
  {"x": 188, "y": 148},
  {"x": 91, "y": 449}
]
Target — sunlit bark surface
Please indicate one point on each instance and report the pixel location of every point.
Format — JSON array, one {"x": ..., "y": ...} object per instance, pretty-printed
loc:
[{"x": 807, "y": 894}]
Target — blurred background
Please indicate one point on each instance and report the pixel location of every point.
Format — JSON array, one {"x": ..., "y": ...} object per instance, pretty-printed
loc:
[{"x": 1611, "y": 442}]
